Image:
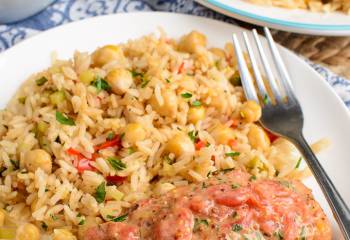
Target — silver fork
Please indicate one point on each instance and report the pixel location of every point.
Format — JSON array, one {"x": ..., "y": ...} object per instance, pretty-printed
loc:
[{"x": 282, "y": 115}]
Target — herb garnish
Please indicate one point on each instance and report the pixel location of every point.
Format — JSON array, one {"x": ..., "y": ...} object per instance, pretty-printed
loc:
[
  {"x": 186, "y": 95},
  {"x": 193, "y": 135},
  {"x": 235, "y": 186},
  {"x": 278, "y": 234},
  {"x": 298, "y": 163},
  {"x": 41, "y": 81},
  {"x": 100, "y": 193},
  {"x": 82, "y": 222},
  {"x": 110, "y": 136},
  {"x": 266, "y": 99},
  {"x": 303, "y": 233},
  {"x": 198, "y": 222},
  {"x": 117, "y": 164},
  {"x": 226, "y": 170},
  {"x": 144, "y": 82},
  {"x": 15, "y": 164},
  {"x": 232, "y": 154},
  {"x": 196, "y": 103},
  {"x": 101, "y": 84},
  {"x": 252, "y": 178},
  {"x": 64, "y": 120},
  {"x": 121, "y": 218},
  {"x": 236, "y": 227},
  {"x": 44, "y": 226}
]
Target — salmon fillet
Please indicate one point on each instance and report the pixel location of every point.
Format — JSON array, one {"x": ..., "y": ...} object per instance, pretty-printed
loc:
[{"x": 227, "y": 206}]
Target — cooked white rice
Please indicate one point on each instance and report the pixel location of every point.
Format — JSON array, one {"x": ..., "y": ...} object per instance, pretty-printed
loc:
[{"x": 171, "y": 77}]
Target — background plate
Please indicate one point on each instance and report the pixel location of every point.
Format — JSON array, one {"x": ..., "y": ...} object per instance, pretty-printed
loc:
[
  {"x": 291, "y": 20},
  {"x": 324, "y": 112}
]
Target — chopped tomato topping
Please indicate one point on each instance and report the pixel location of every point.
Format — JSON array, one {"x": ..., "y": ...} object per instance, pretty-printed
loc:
[
  {"x": 115, "y": 180},
  {"x": 73, "y": 152},
  {"x": 181, "y": 68},
  {"x": 110, "y": 143},
  {"x": 200, "y": 144}
]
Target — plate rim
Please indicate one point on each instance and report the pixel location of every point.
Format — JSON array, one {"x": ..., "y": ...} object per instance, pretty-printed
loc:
[{"x": 289, "y": 24}]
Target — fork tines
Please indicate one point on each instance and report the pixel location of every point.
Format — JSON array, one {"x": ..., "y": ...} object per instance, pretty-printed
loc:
[{"x": 280, "y": 87}]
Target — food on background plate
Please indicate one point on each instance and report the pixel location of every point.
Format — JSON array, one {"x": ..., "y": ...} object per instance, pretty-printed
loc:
[
  {"x": 312, "y": 5},
  {"x": 86, "y": 139}
]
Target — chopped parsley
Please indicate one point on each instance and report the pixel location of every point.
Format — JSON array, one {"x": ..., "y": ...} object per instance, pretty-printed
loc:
[
  {"x": 234, "y": 214},
  {"x": 196, "y": 103},
  {"x": 100, "y": 192},
  {"x": 144, "y": 82},
  {"x": 117, "y": 164},
  {"x": 204, "y": 185},
  {"x": 81, "y": 222},
  {"x": 266, "y": 99},
  {"x": 236, "y": 228},
  {"x": 41, "y": 81},
  {"x": 15, "y": 164},
  {"x": 226, "y": 170},
  {"x": 64, "y": 120},
  {"x": 110, "y": 136},
  {"x": 131, "y": 150},
  {"x": 22, "y": 100},
  {"x": 208, "y": 174},
  {"x": 252, "y": 178},
  {"x": 278, "y": 234},
  {"x": 101, "y": 84},
  {"x": 277, "y": 173},
  {"x": 121, "y": 218},
  {"x": 167, "y": 80},
  {"x": 44, "y": 226},
  {"x": 285, "y": 183},
  {"x": 193, "y": 135},
  {"x": 235, "y": 186},
  {"x": 198, "y": 222},
  {"x": 186, "y": 95},
  {"x": 135, "y": 73},
  {"x": 232, "y": 154},
  {"x": 298, "y": 163},
  {"x": 53, "y": 217}
]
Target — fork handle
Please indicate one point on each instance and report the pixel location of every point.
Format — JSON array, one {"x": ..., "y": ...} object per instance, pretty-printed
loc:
[{"x": 338, "y": 205}]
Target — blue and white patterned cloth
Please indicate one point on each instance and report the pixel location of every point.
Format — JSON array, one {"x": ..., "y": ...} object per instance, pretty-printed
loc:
[{"x": 64, "y": 11}]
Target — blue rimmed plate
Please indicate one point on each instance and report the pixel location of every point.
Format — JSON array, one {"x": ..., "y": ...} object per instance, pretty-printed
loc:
[{"x": 292, "y": 20}]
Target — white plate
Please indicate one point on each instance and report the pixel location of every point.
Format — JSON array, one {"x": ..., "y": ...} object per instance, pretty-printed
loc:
[
  {"x": 291, "y": 20},
  {"x": 325, "y": 113}
]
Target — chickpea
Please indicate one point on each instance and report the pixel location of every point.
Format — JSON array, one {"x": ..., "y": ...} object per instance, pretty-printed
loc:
[
  {"x": 250, "y": 111},
  {"x": 106, "y": 54},
  {"x": 2, "y": 217},
  {"x": 28, "y": 231},
  {"x": 223, "y": 134},
  {"x": 190, "y": 42},
  {"x": 169, "y": 107},
  {"x": 195, "y": 114},
  {"x": 180, "y": 144},
  {"x": 120, "y": 80},
  {"x": 38, "y": 158},
  {"x": 134, "y": 132},
  {"x": 258, "y": 138},
  {"x": 62, "y": 234}
]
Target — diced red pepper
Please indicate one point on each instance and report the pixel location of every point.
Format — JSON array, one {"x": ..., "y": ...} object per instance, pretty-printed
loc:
[
  {"x": 110, "y": 143},
  {"x": 232, "y": 143},
  {"x": 235, "y": 123},
  {"x": 73, "y": 152},
  {"x": 94, "y": 156},
  {"x": 271, "y": 136},
  {"x": 200, "y": 144},
  {"x": 181, "y": 68},
  {"x": 115, "y": 180}
]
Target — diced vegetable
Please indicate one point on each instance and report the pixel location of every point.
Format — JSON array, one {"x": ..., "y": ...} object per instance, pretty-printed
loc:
[
  {"x": 236, "y": 79},
  {"x": 57, "y": 97},
  {"x": 41, "y": 81},
  {"x": 87, "y": 77},
  {"x": 84, "y": 165},
  {"x": 101, "y": 84},
  {"x": 22, "y": 100},
  {"x": 181, "y": 68},
  {"x": 64, "y": 120},
  {"x": 115, "y": 180},
  {"x": 200, "y": 144},
  {"x": 115, "y": 142},
  {"x": 196, "y": 103},
  {"x": 186, "y": 95},
  {"x": 100, "y": 193},
  {"x": 117, "y": 164},
  {"x": 232, "y": 154},
  {"x": 117, "y": 219}
]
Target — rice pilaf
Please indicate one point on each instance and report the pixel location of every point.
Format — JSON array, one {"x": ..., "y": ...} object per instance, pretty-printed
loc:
[{"x": 88, "y": 137}]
